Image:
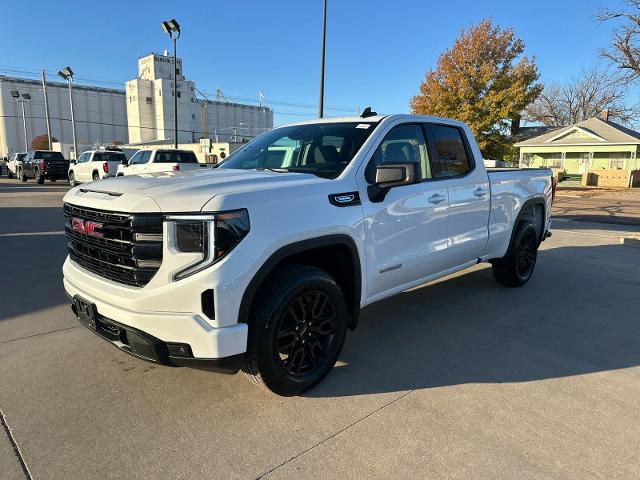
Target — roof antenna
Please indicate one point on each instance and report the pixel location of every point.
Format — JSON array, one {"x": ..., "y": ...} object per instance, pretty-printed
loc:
[{"x": 368, "y": 113}]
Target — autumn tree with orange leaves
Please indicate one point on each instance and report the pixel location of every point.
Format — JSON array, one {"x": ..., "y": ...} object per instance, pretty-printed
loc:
[{"x": 485, "y": 81}]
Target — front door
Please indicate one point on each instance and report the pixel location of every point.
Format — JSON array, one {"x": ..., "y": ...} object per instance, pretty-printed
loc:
[{"x": 407, "y": 230}]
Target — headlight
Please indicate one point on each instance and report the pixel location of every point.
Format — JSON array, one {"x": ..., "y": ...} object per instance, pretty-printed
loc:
[{"x": 210, "y": 235}]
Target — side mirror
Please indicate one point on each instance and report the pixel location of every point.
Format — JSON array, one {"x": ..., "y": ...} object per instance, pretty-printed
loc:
[
  {"x": 389, "y": 176},
  {"x": 73, "y": 162},
  {"x": 124, "y": 162}
]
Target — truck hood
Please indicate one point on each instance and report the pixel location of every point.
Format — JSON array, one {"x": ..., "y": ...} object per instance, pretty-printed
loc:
[{"x": 174, "y": 192}]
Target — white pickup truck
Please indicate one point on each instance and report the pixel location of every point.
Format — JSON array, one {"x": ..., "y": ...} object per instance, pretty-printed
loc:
[
  {"x": 264, "y": 266},
  {"x": 94, "y": 165},
  {"x": 154, "y": 161}
]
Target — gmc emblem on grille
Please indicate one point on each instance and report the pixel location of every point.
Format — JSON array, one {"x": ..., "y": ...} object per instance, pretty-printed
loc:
[{"x": 86, "y": 227}]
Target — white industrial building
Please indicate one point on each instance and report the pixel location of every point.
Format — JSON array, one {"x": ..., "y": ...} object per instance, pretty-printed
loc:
[
  {"x": 143, "y": 112},
  {"x": 150, "y": 108},
  {"x": 100, "y": 114}
]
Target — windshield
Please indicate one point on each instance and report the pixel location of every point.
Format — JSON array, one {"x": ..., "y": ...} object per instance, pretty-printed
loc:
[{"x": 322, "y": 149}]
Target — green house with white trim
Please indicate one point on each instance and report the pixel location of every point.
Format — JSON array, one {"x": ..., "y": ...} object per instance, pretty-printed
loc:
[{"x": 592, "y": 144}]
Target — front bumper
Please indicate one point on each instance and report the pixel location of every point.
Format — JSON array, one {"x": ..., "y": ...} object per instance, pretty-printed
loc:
[
  {"x": 151, "y": 349},
  {"x": 118, "y": 312}
]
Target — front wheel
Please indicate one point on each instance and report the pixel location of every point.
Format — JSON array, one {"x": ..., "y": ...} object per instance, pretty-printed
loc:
[
  {"x": 516, "y": 267},
  {"x": 72, "y": 179},
  {"x": 9, "y": 174},
  {"x": 22, "y": 175},
  {"x": 39, "y": 177},
  {"x": 297, "y": 330}
]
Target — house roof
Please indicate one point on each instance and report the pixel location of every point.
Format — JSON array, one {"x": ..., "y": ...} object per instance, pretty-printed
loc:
[{"x": 591, "y": 131}]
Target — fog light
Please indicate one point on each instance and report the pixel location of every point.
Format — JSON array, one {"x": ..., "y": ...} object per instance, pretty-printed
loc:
[
  {"x": 179, "y": 350},
  {"x": 208, "y": 307}
]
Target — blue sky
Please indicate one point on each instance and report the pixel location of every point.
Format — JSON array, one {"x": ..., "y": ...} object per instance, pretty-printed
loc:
[{"x": 377, "y": 50}]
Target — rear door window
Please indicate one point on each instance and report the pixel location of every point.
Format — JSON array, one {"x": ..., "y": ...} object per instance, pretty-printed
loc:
[{"x": 451, "y": 159}]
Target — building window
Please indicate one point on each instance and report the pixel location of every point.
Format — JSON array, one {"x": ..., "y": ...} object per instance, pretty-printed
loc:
[
  {"x": 149, "y": 100},
  {"x": 159, "y": 93},
  {"x": 178, "y": 94},
  {"x": 193, "y": 116}
]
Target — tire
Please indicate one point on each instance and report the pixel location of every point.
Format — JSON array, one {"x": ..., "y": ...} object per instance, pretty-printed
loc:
[
  {"x": 9, "y": 174},
  {"x": 95, "y": 176},
  {"x": 53, "y": 180},
  {"x": 39, "y": 177},
  {"x": 21, "y": 175},
  {"x": 516, "y": 267},
  {"x": 72, "y": 179},
  {"x": 297, "y": 330}
]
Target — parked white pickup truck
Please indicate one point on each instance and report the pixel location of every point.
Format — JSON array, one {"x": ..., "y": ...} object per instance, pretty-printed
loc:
[
  {"x": 265, "y": 267},
  {"x": 94, "y": 165},
  {"x": 154, "y": 161}
]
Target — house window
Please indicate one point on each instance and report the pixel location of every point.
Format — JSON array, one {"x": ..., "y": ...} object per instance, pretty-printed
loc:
[
  {"x": 555, "y": 160},
  {"x": 616, "y": 163}
]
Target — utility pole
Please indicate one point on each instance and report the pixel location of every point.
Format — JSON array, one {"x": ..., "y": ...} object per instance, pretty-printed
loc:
[
  {"x": 24, "y": 126},
  {"x": 46, "y": 109},
  {"x": 324, "y": 35}
]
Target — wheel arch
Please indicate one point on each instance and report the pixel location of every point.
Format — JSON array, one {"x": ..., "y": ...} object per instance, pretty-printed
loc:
[
  {"x": 533, "y": 210},
  {"x": 337, "y": 254}
]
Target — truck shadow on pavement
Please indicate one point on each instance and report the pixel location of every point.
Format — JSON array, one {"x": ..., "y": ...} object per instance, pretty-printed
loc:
[{"x": 574, "y": 317}]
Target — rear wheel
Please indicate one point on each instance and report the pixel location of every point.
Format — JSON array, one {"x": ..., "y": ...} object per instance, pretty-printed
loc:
[
  {"x": 9, "y": 174},
  {"x": 516, "y": 267},
  {"x": 297, "y": 330},
  {"x": 96, "y": 177}
]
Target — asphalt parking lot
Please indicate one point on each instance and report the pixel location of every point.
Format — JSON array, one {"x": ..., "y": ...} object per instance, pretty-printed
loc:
[{"x": 459, "y": 379}]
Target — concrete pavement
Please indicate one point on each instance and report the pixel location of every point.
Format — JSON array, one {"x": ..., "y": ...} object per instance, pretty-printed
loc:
[{"x": 458, "y": 379}]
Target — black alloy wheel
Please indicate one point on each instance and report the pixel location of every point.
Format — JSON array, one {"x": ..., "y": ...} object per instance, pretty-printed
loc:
[{"x": 306, "y": 333}]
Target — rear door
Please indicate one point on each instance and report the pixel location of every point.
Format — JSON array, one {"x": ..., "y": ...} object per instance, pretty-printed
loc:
[
  {"x": 407, "y": 230},
  {"x": 467, "y": 187}
]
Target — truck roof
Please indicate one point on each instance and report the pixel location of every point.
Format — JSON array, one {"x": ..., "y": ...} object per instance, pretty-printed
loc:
[{"x": 379, "y": 118}]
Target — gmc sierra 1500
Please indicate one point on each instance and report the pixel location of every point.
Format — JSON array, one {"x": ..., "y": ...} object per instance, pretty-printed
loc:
[{"x": 264, "y": 263}]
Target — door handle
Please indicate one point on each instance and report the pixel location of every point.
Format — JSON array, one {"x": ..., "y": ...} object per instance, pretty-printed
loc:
[
  {"x": 479, "y": 192},
  {"x": 436, "y": 198}
]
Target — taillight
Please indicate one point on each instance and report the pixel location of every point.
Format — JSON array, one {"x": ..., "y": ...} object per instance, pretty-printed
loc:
[
  {"x": 105, "y": 167},
  {"x": 42, "y": 165},
  {"x": 554, "y": 187},
  {"x": 176, "y": 168}
]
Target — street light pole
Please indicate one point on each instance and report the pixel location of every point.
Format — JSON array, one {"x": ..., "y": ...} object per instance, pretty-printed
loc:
[
  {"x": 324, "y": 35},
  {"x": 46, "y": 109},
  {"x": 170, "y": 27},
  {"x": 25, "y": 97},
  {"x": 24, "y": 127},
  {"x": 67, "y": 74}
]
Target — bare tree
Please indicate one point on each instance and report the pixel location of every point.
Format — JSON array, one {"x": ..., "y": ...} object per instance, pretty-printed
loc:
[
  {"x": 625, "y": 51},
  {"x": 589, "y": 95}
]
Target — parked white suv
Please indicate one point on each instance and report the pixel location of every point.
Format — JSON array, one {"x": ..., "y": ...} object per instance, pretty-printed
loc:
[
  {"x": 153, "y": 161},
  {"x": 94, "y": 165},
  {"x": 14, "y": 163},
  {"x": 265, "y": 266}
]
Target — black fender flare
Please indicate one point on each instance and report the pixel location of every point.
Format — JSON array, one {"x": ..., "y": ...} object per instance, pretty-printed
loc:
[{"x": 282, "y": 253}]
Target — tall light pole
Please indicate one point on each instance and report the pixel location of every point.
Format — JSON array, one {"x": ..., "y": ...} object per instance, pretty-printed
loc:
[
  {"x": 324, "y": 35},
  {"x": 172, "y": 28},
  {"x": 46, "y": 109},
  {"x": 67, "y": 74},
  {"x": 25, "y": 98}
]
